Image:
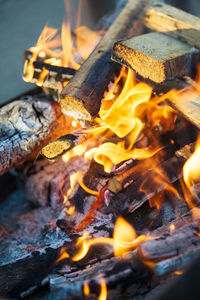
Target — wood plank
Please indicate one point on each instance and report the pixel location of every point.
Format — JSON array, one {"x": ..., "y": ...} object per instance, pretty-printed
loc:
[
  {"x": 82, "y": 96},
  {"x": 190, "y": 109},
  {"x": 154, "y": 56},
  {"x": 176, "y": 22}
]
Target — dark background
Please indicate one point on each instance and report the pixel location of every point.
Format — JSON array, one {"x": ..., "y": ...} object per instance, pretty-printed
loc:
[{"x": 21, "y": 22}]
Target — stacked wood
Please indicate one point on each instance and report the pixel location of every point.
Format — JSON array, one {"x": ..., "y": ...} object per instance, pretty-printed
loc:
[
  {"x": 82, "y": 96},
  {"x": 27, "y": 125},
  {"x": 155, "y": 56},
  {"x": 173, "y": 21}
]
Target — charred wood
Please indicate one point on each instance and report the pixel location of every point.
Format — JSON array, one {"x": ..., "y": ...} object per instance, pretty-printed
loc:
[
  {"x": 172, "y": 244},
  {"x": 127, "y": 277},
  {"x": 26, "y": 126},
  {"x": 179, "y": 262},
  {"x": 82, "y": 96},
  {"x": 62, "y": 145}
]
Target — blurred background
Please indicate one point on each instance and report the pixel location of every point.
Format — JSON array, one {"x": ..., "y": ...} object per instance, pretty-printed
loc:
[{"x": 21, "y": 22}]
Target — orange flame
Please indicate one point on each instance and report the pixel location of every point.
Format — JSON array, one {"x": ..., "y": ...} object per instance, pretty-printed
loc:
[
  {"x": 63, "y": 255},
  {"x": 191, "y": 175},
  {"x": 73, "y": 181},
  {"x": 123, "y": 116},
  {"x": 103, "y": 292},
  {"x": 61, "y": 50},
  {"x": 191, "y": 169},
  {"x": 86, "y": 289},
  {"x": 124, "y": 240}
]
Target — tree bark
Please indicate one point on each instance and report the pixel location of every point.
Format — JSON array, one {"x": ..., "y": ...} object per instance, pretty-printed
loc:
[{"x": 26, "y": 126}]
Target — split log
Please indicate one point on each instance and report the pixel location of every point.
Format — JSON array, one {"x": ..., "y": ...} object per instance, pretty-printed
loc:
[
  {"x": 189, "y": 108},
  {"x": 82, "y": 96},
  {"x": 179, "y": 262},
  {"x": 26, "y": 126},
  {"x": 62, "y": 145},
  {"x": 165, "y": 18},
  {"x": 155, "y": 56},
  {"x": 172, "y": 244}
]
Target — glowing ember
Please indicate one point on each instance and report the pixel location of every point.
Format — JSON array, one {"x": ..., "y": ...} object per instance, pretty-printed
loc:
[{"x": 172, "y": 227}]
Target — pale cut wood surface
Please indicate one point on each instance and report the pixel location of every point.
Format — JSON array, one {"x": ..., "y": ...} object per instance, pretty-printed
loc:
[
  {"x": 154, "y": 56},
  {"x": 82, "y": 96},
  {"x": 189, "y": 108},
  {"x": 176, "y": 22}
]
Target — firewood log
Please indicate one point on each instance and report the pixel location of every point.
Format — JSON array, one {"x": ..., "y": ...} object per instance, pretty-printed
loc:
[
  {"x": 176, "y": 242},
  {"x": 155, "y": 56},
  {"x": 63, "y": 144},
  {"x": 176, "y": 22},
  {"x": 26, "y": 126},
  {"x": 122, "y": 179},
  {"x": 82, "y": 96}
]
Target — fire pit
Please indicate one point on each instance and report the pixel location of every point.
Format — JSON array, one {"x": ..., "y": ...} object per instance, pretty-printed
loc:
[{"x": 104, "y": 197}]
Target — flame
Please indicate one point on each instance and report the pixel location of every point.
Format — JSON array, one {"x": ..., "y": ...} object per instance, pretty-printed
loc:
[
  {"x": 191, "y": 169},
  {"x": 191, "y": 175},
  {"x": 124, "y": 115},
  {"x": 73, "y": 181},
  {"x": 61, "y": 49},
  {"x": 63, "y": 255},
  {"x": 103, "y": 291},
  {"x": 86, "y": 289},
  {"x": 124, "y": 240},
  {"x": 76, "y": 151},
  {"x": 71, "y": 210},
  {"x": 172, "y": 227}
]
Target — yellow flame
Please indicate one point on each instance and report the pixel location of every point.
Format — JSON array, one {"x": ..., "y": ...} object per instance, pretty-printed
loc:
[
  {"x": 73, "y": 181},
  {"x": 63, "y": 255},
  {"x": 61, "y": 50},
  {"x": 124, "y": 239},
  {"x": 71, "y": 210},
  {"x": 103, "y": 292},
  {"x": 172, "y": 227},
  {"x": 191, "y": 169},
  {"x": 86, "y": 289}
]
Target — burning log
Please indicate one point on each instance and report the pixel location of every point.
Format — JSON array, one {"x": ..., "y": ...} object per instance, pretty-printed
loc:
[
  {"x": 27, "y": 125},
  {"x": 55, "y": 78},
  {"x": 178, "y": 23},
  {"x": 144, "y": 56},
  {"x": 62, "y": 145},
  {"x": 128, "y": 175},
  {"x": 122, "y": 277},
  {"x": 82, "y": 96},
  {"x": 176, "y": 242}
]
